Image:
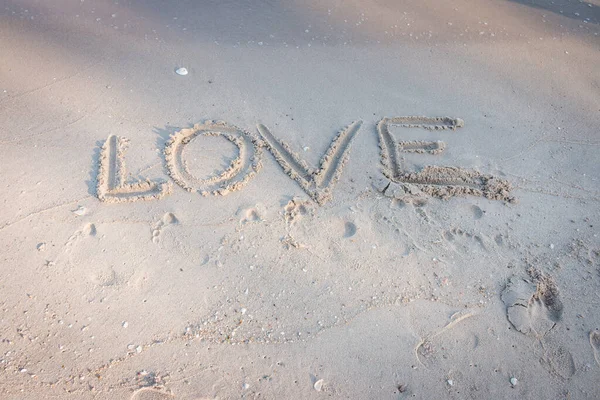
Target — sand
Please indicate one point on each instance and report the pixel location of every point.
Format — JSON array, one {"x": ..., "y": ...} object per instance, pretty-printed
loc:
[{"x": 353, "y": 200}]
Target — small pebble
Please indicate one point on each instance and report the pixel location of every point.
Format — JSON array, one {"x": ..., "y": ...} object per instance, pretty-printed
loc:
[
  {"x": 450, "y": 382},
  {"x": 245, "y": 386},
  {"x": 181, "y": 71},
  {"x": 514, "y": 381},
  {"x": 125, "y": 324},
  {"x": 41, "y": 246}
]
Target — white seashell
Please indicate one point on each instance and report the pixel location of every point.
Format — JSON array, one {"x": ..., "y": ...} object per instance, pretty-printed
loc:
[{"x": 181, "y": 71}]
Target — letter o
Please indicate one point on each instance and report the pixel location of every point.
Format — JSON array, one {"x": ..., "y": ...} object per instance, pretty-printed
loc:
[{"x": 240, "y": 171}]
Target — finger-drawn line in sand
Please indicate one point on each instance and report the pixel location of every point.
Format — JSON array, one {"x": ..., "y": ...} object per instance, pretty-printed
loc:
[
  {"x": 22, "y": 138},
  {"x": 53, "y": 82},
  {"x": 442, "y": 182},
  {"x": 41, "y": 211},
  {"x": 241, "y": 169},
  {"x": 151, "y": 393},
  {"x": 533, "y": 307},
  {"x": 316, "y": 183},
  {"x": 112, "y": 186},
  {"x": 422, "y": 147},
  {"x": 595, "y": 343},
  {"x": 220, "y": 330}
]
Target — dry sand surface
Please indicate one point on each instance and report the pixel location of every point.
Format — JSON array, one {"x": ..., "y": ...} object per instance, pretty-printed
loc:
[{"x": 341, "y": 199}]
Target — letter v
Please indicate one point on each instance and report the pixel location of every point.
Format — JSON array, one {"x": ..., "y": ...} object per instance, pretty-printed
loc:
[
  {"x": 316, "y": 183},
  {"x": 111, "y": 186}
]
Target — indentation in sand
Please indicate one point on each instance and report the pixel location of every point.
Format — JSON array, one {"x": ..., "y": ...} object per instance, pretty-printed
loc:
[
  {"x": 112, "y": 187},
  {"x": 477, "y": 212},
  {"x": 349, "y": 229},
  {"x": 316, "y": 183},
  {"x": 89, "y": 230},
  {"x": 241, "y": 169}
]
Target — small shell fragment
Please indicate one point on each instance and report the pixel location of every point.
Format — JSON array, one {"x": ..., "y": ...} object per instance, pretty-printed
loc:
[
  {"x": 81, "y": 210},
  {"x": 318, "y": 385},
  {"x": 181, "y": 71},
  {"x": 514, "y": 381}
]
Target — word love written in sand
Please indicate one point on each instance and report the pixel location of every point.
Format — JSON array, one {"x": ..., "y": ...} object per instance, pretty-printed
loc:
[{"x": 443, "y": 182}]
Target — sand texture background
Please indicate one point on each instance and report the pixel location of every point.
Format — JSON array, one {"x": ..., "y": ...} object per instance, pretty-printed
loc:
[{"x": 341, "y": 199}]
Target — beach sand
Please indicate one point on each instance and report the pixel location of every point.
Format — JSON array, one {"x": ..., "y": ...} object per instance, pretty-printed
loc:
[{"x": 340, "y": 199}]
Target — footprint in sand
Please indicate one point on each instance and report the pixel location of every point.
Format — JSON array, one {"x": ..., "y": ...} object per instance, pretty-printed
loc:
[
  {"x": 426, "y": 351},
  {"x": 561, "y": 362},
  {"x": 532, "y": 307},
  {"x": 251, "y": 214},
  {"x": 595, "y": 343},
  {"x": 167, "y": 219},
  {"x": 462, "y": 241},
  {"x": 151, "y": 394},
  {"x": 295, "y": 209},
  {"x": 87, "y": 230}
]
